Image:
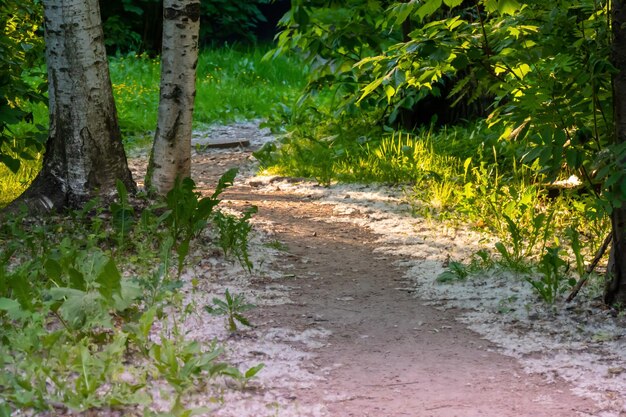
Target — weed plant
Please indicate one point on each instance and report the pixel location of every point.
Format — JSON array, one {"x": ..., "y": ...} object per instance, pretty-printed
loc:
[
  {"x": 232, "y": 307},
  {"x": 79, "y": 297}
]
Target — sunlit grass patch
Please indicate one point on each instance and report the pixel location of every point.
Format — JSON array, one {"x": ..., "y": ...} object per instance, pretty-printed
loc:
[
  {"x": 231, "y": 84},
  {"x": 14, "y": 184}
]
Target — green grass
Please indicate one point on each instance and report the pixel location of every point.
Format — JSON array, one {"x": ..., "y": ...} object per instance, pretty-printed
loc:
[
  {"x": 465, "y": 175},
  {"x": 13, "y": 184},
  {"x": 232, "y": 84}
]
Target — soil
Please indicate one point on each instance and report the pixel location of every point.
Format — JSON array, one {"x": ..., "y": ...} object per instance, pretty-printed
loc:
[{"x": 384, "y": 351}]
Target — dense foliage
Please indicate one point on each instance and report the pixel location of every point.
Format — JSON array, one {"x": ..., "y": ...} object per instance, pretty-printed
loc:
[
  {"x": 498, "y": 99},
  {"x": 539, "y": 70},
  {"x": 21, "y": 52},
  {"x": 136, "y": 25},
  {"x": 82, "y": 296}
]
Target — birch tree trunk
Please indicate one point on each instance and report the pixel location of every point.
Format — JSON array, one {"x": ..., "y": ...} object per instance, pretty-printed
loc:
[
  {"x": 615, "y": 290},
  {"x": 84, "y": 154},
  {"x": 171, "y": 152}
]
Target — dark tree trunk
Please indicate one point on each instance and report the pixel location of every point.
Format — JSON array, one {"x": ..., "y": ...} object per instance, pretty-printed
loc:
[
  {"x": 615, "y": 290},
  {"x": 84, "y": 153}
]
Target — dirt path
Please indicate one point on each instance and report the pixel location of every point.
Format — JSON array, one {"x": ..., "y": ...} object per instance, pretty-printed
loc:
[
  {"x": 388, "y": 353},
  {"x": 392, "y": 356}
]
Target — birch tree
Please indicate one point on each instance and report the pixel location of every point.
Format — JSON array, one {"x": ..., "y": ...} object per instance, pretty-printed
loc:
[
  {"x": 84, "y": 154},
  {"x": 171, "y": 152}
]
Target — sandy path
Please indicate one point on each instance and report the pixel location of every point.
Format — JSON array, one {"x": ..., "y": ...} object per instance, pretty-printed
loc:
[{"x": 388, "y": 352}]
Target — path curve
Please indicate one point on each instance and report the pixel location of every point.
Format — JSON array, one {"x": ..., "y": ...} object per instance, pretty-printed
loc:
[{"x": 388, "y": 352}]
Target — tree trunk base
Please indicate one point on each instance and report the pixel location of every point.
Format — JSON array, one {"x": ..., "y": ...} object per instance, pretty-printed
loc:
[{"x": 45, "y": 195}]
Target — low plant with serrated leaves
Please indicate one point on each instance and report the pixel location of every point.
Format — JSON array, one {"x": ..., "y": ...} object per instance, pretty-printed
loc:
[
  {"x": 77, "y": 313},
  {"x": 233, "y": 308},
  {"x": 233, "y": 234},
  {"x": 243, "y": 377},
  {"x": 188, "y": 212},
  {"x": 553, "y": 279},
  {"x": 458, "y": 271}
]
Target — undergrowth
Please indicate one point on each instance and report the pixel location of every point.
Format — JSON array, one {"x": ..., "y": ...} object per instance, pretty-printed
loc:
[
  {"x": 464, "y": 175},
  {"x": 90, "y": 307}
]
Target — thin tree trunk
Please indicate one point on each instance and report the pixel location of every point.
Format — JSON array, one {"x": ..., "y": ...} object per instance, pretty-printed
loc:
[
  {"x": 171, "y": 153},
  {"x": 615, "y": 290},
  {"x": 84, "y": 154}
]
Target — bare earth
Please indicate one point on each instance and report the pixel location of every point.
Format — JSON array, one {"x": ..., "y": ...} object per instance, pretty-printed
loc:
[{"x": 362, "y": 341}]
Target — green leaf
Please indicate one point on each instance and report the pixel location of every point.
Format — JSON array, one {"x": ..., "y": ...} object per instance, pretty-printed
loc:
[
  {"x": 5, "y": 410},
  {"x": 241, "y": 319},
  {"x": 502, "y": 249},
  {"x": 53, "y": 269},
  {"x": 509, "y": 7},
  {"x": 10, "y": 162},
  {"x": 429, "y": 8},
  {"x": 122, "y": 192},
  {"x": 370, "y": 87},
  {"x": 226, "y": 180},
  {"x": 12, "y": 308},
  {"x": 254, "y": 370},
  {"x": 402, "y": 11},
  {"x": 229, "y": 298},
  {"x": 232, "y": 372},
  {"x": 133, "y": 9},
  {"x": 109, "y": 279},
  {"x": 452, "y": 3},
  {"x": 389, "y": 92},
  {"x": 77, "y": 279}
]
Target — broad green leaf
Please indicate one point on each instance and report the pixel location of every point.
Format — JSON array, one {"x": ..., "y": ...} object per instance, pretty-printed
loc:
[
  {"x": 77, "y": 279},
  {"x": 429, "y": 8},
  {"x": 389, "y": 92},
  {"x": 53, "y": 269},
  {"x": 12, "y": 308},
  {"x": 129, "y": 293},
  {"x": 10, "y": 162},
  {"x": 401, "y": 11},
  {"x": 58, "y": 293},
  {"x": 109, "y": 279},
  {"x": 509, "y": 7}
]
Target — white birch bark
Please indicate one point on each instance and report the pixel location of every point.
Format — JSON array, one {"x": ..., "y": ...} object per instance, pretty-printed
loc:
[
  {"x": 84, "y": 153},
  {"x": 171, "y": 151}
]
